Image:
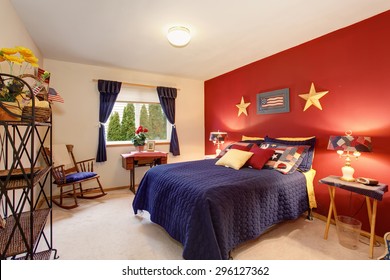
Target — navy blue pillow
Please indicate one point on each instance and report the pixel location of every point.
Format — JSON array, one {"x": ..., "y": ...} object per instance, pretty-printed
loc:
[
  {"x": 257, "y": 142},
  {"x": 308, "y": 159},
  {"x": 79, "y": 176}
]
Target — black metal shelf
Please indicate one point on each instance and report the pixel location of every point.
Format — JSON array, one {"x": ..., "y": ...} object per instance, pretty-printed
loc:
[
  {"x": 15, "y": 182},
  {"x": 15, "y": 237},
  {"x": 24, "y": 123},
  {"x": 43, "y": 255},
  {"x": 26, "y": 186}
]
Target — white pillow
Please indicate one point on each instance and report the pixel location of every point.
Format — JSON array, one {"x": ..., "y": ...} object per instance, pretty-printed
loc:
[{"x": 234, "y": 159}]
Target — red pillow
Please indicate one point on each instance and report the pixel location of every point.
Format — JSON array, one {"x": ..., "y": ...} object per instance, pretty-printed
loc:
[
  {"x": 259, "y": 157},
  {"x": 240, "y": 147}
]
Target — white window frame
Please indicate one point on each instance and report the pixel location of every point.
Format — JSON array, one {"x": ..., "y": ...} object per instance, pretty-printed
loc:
[{"x": 137, "y": 96}]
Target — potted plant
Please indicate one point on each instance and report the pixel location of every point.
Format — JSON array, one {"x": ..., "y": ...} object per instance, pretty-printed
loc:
[{"x": 139, "y": 138}]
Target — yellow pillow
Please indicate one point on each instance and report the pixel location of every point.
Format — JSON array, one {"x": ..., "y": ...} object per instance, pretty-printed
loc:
[
  {"x": 234, "y": 159},
  {"x": 244, "y": 138},
  {"x": 295, "y": 138}
]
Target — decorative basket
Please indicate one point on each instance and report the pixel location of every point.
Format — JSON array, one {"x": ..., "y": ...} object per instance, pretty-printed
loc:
[
  {"x": 42, "y": 114},
  {"x": 10, "y": 111},
  {"x": 23, "y": 91}
]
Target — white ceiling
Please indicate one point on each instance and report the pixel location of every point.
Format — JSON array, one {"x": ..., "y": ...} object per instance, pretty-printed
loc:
[{"x": 226, "y": 34}]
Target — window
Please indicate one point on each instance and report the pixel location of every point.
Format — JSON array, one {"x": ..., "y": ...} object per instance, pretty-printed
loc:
[{"x": 135, "y": 107}]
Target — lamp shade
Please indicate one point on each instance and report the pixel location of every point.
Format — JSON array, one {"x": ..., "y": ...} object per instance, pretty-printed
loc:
[
  {"x": 350, "y": 143},
  {"x": 179, "y": 36},
  {"x": 218, "y": 136}
]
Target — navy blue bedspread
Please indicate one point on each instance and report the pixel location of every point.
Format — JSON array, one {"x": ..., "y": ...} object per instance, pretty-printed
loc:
[{"x": 211, "y": 209}]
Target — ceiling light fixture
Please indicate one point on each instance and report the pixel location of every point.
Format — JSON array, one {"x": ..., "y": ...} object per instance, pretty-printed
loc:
[{"x": 179, "y": 36}]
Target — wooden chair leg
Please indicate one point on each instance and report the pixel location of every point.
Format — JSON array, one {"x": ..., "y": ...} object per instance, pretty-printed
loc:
[
  {"x": 83, "y": 192},
  {"x": 74, "y": 195},
  {"x": 62, "y": 196},
  {"x": 100, "y": 186}
]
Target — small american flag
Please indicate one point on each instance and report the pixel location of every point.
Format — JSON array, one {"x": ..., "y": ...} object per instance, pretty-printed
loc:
[
  {"x": 54, "y": 96},
  {"x": 42, "y": 82},
  {"x": 41, "y": 73},
  {"x": 37, "y": 89},
  {"x": 276, "y": 101}
]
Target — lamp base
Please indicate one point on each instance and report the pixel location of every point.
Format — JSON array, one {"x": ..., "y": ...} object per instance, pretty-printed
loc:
[
  {"x": 347, "y": 173},
  {"x": 348, "y": 179}
]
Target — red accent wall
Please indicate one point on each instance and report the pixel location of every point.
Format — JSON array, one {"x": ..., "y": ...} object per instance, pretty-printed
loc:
[{"x": 353, "y": 64}]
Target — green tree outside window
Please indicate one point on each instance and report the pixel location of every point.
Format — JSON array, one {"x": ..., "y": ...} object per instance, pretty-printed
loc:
[
  {"x": 114, "y": 128},
  {"x": 158, "y": 122},
  {"x": 128, "y": 123},
  {"x": 150, "y": 116}
]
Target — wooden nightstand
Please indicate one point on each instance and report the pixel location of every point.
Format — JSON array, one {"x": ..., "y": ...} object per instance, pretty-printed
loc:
[
  {"x": 370, "y": 192},
  {"x": 137, "y": 159}
]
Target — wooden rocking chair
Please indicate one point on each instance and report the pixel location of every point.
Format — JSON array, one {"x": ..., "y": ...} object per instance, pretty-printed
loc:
[{"x": 73, "y": 174}]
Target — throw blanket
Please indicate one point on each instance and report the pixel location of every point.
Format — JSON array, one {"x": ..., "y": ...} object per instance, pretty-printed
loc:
[{"x": 211, "y": 209}]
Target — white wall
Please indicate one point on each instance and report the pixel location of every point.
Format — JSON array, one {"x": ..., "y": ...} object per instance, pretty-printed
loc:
[
  {"x": 76, "y": 120},
  {"x": 13, "y": 32}
]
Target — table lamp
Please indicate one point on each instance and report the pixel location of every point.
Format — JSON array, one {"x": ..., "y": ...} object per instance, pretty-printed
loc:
[
  {"x": 349, "y": 146},
  {"x": 218, "y": 139}
]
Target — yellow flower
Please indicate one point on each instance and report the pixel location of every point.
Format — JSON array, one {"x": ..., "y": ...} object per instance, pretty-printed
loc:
[
  {"x": 9, "y": 51},
  {"x": 18, "y": 55},
  {"x": 25, "y": 52},
  {"x": 25, "y": 59},
  {"x": 32, "y": 60},
  {"x": 15, "y": 59}
]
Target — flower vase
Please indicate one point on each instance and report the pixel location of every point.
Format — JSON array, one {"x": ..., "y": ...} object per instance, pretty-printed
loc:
[{"x": 140, "y": 148}]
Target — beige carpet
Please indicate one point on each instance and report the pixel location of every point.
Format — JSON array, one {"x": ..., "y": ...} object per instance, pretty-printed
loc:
[{"x": 106, "y": 229}]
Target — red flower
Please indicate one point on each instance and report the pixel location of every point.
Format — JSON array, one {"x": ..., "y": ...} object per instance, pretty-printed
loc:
[
  {"x": 141, "y": 129},
  {"x": 140, "y": 137}
]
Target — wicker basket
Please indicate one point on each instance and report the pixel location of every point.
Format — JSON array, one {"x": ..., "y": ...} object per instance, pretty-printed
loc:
[
  {"x": 21, "y": 109},
  {"x": 10, "y": 111},
  {"x": 42, "y": 114}
]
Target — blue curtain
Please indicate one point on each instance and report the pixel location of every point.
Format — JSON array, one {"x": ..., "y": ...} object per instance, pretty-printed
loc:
[
  {"x": 167, "y": 98},
  {"x": 109, "y": 91}
]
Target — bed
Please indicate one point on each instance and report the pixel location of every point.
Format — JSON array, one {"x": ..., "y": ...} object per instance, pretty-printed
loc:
[{"x": 211, "y": 209}]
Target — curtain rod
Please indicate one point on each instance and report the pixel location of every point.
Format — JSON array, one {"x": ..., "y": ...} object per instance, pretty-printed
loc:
[{"x": 135, "y": 85}]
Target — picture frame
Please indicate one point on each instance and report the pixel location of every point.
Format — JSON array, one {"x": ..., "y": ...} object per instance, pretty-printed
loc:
[
  {"x": 150, "y": 145},
  {"x": 277, "y": 101}
]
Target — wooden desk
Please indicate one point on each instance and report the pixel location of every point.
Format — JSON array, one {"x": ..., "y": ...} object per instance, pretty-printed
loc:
[
  {"x": 370, "y": 192},
  {"x": 137, "y": 159}
]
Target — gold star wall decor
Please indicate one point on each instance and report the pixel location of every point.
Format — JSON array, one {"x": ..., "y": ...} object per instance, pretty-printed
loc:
[
  {"x": 242, "y": 107},
  {"x": 313, "y": 97}
]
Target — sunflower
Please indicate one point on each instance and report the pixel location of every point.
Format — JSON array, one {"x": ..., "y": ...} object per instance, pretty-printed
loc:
[
  {"x": 22, "y": 58},
  {"x": 19, "y": 55}
]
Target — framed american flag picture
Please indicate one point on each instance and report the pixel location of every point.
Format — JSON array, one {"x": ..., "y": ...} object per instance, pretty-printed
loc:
[{"x": 277, "y": 101}]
